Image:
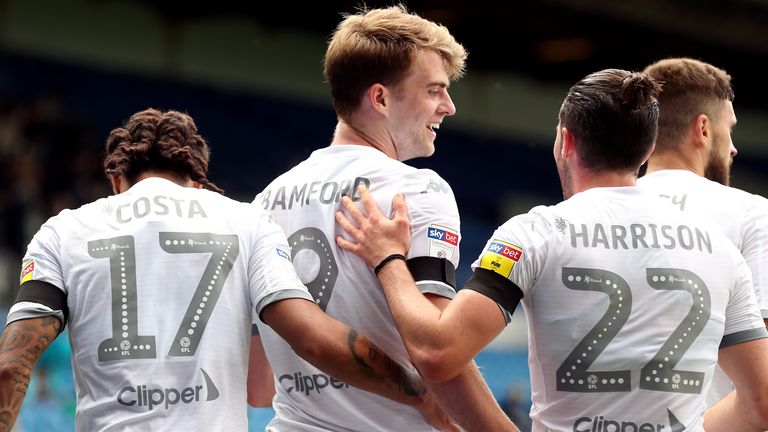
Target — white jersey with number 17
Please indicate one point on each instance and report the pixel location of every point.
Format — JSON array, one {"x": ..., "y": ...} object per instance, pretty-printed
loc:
[{"x": 160, "y": 282}]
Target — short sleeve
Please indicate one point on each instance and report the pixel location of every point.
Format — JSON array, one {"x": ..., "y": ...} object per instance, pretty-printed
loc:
[
  {"x": 271, "y": 274},
  {"x": 45, "y": 292},
  {"x": 517, "y": 250},
  {"x": 742, "y": 316},
  {"x": 42, "y": 260},
  {"x": 754, "y": 248},
  {"x": 435, "y": 233}
]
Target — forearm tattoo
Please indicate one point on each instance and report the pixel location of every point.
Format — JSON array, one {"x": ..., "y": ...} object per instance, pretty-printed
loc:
[
  {"x": 376, "y": 364},
  {"x": 21, "y": 345}
]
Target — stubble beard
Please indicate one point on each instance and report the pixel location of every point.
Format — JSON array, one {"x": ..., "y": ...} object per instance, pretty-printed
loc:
[{"x": 718, "y": 169}]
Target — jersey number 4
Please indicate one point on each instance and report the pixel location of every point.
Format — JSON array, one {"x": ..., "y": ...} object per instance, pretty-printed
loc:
[
  {"x": 126, "y": 343},
  {"x": 659, "y": 374}
]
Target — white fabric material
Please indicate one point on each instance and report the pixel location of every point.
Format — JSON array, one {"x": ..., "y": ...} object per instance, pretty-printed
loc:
[
  {"x": 129, "y": 286},
  {"x": 304, "y": 201},
  {"x": 742, "y": 216},
  {"x": 599, "y": 314}
]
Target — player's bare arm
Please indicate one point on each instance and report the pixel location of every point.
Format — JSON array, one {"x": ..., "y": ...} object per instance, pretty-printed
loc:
[
  {"x": 349, "y": 356},
  {"x": 378, "y": 366},
  {"x": 466, "y": 397},
  {"x": 441, "y": 343},
  {"x": 746, "y": 408},
  {"x": 261, "y": 379},
  {"x": 21, "y": 345}
]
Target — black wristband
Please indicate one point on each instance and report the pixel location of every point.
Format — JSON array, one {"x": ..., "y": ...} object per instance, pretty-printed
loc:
[{"x": 384, "y": 262}]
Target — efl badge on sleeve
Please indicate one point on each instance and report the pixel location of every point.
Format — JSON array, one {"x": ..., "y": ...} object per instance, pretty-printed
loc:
[
  {"x": 501, "y": 257},
  {"x": 27, "y": 271},
  {"x": 442, "y": 242}
]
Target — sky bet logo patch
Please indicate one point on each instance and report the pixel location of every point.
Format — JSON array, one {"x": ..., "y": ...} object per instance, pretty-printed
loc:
[
  {"x": 443, "y": 235},
  {"x": 501, "y": 257},
  {"x": 442, "y": 242}
]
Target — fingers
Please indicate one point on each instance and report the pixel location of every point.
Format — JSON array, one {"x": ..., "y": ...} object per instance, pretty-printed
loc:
[
  {"x": 369, "y": 204},
  {"x": 347, "y": 225},
  {"x": 346, "y": 245},
  {"x": 352, "y": 209},
  {"x": 399, "y": 207}
]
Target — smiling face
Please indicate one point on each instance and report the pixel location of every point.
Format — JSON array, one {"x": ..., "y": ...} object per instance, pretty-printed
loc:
[
  {"x": 718, "y": 167},
  {"x": 420, "y": 103}
]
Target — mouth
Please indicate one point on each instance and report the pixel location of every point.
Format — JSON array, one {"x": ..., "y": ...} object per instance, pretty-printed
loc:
[{"x": 433, "y": 127}]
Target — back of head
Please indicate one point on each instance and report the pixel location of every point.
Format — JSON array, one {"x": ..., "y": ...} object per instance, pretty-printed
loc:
[
  {"x": 157, "y": 141},
  {"x": 379, "y": 46},
  {"x": 690, "y": 87},
  {"x": 613, "y": 115}
]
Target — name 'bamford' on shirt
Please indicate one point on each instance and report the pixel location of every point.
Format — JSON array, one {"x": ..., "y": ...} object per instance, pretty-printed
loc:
[
  {"x": 329, "y": 192},
  {"x": 635, "y": 236}
]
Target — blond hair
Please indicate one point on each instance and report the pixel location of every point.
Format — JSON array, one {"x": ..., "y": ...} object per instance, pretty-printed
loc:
[{"x": 379, "y": 46}]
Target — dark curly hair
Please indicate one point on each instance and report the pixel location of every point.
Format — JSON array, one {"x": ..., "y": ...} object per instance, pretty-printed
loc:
[{"x": 153, "y": 140}]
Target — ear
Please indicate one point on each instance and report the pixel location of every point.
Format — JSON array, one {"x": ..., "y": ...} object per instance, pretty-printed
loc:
[
  {"x": 569, "y": 144},
  {"x": 377, "y": 98},
  {"x": 650, "y": 152},
  {"x": 701, "y": 131}
]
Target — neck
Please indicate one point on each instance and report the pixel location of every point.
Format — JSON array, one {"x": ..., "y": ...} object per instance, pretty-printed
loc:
[
  {"x": 347, "y": 134},
  {"x": 673, "y": 161},
  {"x": 604, "y": 179},
  {"x": 187, "y": 182},
  {"x": 120, "y": 184}
]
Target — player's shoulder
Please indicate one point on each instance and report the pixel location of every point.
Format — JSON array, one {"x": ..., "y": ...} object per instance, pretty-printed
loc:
[
  {"x": 754, "y": 202},
  {"x": 411, "y": 180},
  {"x": 540, "y": 221}
]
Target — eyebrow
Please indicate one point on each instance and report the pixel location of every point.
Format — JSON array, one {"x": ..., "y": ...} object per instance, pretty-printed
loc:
[{"x": 441, "y": 84}]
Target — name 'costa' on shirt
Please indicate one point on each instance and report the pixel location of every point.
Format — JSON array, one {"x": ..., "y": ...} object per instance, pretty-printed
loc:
[{"x": 159, "y": 205}]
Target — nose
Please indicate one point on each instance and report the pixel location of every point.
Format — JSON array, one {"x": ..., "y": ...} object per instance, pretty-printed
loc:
[{"x": 447, "y": 107}]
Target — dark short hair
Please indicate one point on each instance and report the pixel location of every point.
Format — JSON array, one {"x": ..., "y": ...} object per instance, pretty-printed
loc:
[{"x": 613, "y": 115}]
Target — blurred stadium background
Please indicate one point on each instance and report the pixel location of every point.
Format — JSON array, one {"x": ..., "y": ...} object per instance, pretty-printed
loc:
[{"x": 251, "y": 76}]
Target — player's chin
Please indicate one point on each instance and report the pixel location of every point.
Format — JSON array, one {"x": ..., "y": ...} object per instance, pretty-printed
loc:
[{"x": 428, "y": 149}]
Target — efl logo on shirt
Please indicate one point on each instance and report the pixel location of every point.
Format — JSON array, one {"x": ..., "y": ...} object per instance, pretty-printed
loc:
[
  {"x": 501, "y": 257},
  {"x": 444, "y": 235},
  {"x": 283, "y": 254},
  {"x": 27, "y": 270}
]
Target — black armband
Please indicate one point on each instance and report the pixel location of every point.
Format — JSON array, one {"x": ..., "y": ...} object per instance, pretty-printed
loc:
[
  {"x": 46, "y": 294},
  {"x": 432, "y": 268},
  {"x": 496, "y": 287}
]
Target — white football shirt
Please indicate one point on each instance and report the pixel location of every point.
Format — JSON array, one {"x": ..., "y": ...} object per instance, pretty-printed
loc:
[
  {"x": 627, "y": 302},
  {"x": 742, "y": 216},
  {"x": 160, "y": 284},
  {"x": 304, "y": 201}
]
